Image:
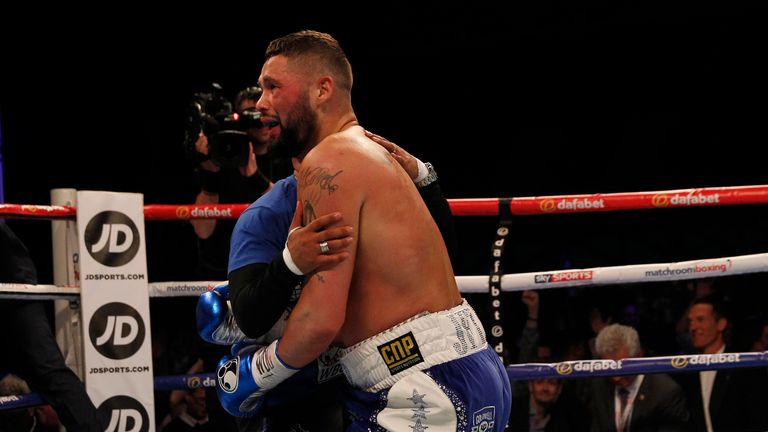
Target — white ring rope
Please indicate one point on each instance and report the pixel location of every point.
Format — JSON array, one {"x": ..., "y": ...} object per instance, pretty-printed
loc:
[{"x": 638, "y": 273}]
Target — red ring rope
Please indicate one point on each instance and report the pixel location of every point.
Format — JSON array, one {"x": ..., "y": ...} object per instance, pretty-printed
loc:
[{"x": 717, "y": 196}]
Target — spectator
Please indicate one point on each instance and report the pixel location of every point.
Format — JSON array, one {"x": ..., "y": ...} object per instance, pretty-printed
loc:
[
  {"x": 36, "y": 358},
  {"x": 41, "y": 418},
  {"x": 529, "y": 338},
  {"x": 725, "y": 399},
  {"x": 546, "y": 407},
  {"x": 699, "y": 288},
  {"x": 193, "y": 415},
  {"x": 636, "y": 403}
]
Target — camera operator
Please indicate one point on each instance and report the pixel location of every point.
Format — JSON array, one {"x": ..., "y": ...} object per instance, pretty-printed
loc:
[
  {"x": 224, "y": 141},
  {"x": 228, "y": 172}
]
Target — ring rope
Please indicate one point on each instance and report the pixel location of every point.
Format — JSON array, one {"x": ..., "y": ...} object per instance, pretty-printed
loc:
[
  {"x": 166, "y": 382},
  {"x": 20, "y": 401},
  {"x": 626, "y": 274},
  {"x": 635, "y": 366},
  {"x": 715, "y": 196},
  {"x": 526, "y": 371}
]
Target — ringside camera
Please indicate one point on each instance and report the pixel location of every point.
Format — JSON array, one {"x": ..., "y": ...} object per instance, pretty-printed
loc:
[{"x": 212, "y": 114}]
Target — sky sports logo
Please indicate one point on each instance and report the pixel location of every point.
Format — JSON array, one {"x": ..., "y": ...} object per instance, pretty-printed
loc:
[{"x": 580, "y": 275}]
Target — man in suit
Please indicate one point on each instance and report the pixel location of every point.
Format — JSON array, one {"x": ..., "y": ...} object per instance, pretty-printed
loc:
[
  {"x": 29, "y": 348},
  {"x": 547, "y": 407},
  {"x": 725, "y": 399},
  {"x": 635, "y": 403}
]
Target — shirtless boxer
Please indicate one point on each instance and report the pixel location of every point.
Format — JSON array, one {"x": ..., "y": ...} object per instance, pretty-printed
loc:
[{"x": 414, "y": 351}]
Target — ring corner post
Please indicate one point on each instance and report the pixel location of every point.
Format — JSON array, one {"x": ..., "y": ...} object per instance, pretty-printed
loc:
[{"x": 69, "y": 334}]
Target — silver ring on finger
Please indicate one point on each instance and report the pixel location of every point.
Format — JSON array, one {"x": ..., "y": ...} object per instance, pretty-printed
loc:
[{"x": 324, "y": 249}]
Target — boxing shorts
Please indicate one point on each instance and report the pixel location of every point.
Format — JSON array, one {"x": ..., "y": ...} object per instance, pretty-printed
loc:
[{"x": 434, "y": 372}]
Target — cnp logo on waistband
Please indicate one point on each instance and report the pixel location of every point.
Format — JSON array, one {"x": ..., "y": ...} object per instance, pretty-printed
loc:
[
  {"x": 123, "y": 414},
  {"x": 112, "y": 238},
  {"x": 401, "y": 353}
]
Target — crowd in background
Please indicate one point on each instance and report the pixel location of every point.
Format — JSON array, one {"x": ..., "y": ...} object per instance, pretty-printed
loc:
[{"x": 555, "y": 325}]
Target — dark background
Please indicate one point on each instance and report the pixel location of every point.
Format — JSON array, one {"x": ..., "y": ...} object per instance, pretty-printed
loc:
[{"x": 506, "y": 99}]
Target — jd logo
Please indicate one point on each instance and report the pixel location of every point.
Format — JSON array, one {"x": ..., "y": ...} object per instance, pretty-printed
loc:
[
  {"x": 116, "y": 330},
  {"x": 123, "y": 414},
  {"x": 112, "y": 238}
]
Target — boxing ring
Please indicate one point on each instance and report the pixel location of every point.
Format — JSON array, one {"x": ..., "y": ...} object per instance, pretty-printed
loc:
[{"x": 492, "y": 284}]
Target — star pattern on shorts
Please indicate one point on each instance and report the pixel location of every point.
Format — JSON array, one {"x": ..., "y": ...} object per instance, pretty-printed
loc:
[
  {"x": 417, "y": 399},
  {"x": 418, "y": 427},
  {"x": 419, "y": 412}
]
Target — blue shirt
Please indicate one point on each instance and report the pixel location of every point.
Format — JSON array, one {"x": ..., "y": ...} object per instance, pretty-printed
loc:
[{"x": 261, "y": 231}]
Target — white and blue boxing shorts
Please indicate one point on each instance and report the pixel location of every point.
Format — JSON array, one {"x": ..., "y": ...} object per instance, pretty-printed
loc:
[{"x": 433, "y": 372}]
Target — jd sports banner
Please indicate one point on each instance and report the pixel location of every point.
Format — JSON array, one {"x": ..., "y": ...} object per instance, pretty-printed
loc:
[{"x": 115, "y": 305}]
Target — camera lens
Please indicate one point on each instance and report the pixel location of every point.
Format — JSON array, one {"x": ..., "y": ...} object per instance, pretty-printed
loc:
[
  {"x": 229, "y": 148},
  {"x": 249, "y": 118}
]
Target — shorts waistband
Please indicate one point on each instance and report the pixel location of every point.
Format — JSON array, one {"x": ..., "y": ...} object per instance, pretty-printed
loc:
[{"x": 418, "y": 343}]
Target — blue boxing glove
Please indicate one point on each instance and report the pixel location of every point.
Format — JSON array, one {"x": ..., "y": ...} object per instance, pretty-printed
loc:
[
  {"x": 244, "y": 379},
  {"x": 324, "y": 373},
  {"x": 244, "y": 347},
  {"x": 215, "y": 322}
]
